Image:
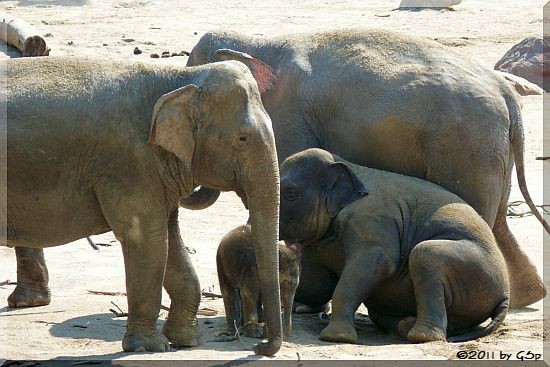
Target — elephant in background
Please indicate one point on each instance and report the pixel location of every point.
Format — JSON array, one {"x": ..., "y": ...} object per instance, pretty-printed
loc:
[
  {"x": 421, "y": 260},
  {"x": 399, "y": 103},
  {"x": 100, "y": 146}
]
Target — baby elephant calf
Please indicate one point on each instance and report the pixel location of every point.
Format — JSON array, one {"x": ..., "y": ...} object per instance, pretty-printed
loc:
[
  {"x": 240, "y": 282},
  {"x": 423, "y": 262}
]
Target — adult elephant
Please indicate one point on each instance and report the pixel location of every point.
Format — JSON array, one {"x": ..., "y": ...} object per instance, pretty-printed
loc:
[
  {"x": 99, "y": 146},
  {"x": 398, "y": 103}
]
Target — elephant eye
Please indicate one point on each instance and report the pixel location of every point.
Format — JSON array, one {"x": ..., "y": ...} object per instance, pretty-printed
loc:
[{"x": 291, "y": 194}]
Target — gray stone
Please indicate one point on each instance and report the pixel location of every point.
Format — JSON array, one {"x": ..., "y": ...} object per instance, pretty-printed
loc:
[{"x": 527, "y": 60}]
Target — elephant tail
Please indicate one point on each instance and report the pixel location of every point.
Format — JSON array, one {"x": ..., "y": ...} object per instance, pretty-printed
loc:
[
  {"x": 517, "y": 140},
  {"x": 499, "y": 314}
]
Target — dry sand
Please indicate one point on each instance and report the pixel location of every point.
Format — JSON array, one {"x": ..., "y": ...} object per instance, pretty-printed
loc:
[{"x": 78, "y": 324}]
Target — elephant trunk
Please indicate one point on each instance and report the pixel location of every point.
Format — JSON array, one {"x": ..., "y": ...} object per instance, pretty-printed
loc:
[
  {"x": 262, "y": 193},
  {"x": 287, "y": 306}
]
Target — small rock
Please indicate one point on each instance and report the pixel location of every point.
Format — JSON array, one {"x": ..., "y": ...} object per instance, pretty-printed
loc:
[
  {"x": 105, "y": 44},
  {"x": 128, "y": 40},
  {"x": 528, "y": 59},
  {"x": 182, "y": 53},
  {"x": 44, "y": 22},
  {"x": 48, "y": 35},
  {"x": 155, "y": 56},
  {"x": 195, "y": 33},
  {"x": 137, "y": 51},
  {"x": 165, "y": 54},
  {"x": 70, "y": 43}
]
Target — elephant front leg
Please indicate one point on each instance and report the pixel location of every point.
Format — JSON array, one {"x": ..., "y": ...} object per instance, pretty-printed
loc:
[
  {"x": 144, "y": 246},
  {"x": 32, "y": 279},
  {"x": 362, "y": 273},
  {"x": 183, "y": 287}
]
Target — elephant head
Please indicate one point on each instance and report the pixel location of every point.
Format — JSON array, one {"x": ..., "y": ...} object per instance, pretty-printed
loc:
[
  {"x": 223, "y": 139},
  {"x": 314, "y": 189}
]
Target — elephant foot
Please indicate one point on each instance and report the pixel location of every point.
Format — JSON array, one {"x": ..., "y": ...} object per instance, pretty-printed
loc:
[
  {"x": 153, "y": 342},
  {"x": 29, "y": 297},
  {"x": 421, "y": 333},
  {"x": 301, "y": 308},
  {"x": 339, "y": 332},
  {"x": 405, "y": 325},
  {"x": 526, "y": 288},
  {"x": 181, "y": 336},
  {"x": 226, "y": 336},
  {"x": 253, "y": 330}
]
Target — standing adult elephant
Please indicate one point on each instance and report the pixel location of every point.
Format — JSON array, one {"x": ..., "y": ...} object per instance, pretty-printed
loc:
[
  {"x": 99, "y": 146},
  {"x": 398, "y": 103}
]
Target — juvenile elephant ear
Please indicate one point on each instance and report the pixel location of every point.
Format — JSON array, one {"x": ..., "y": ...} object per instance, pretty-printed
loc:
[
  {"x": 173, "y": 122},
  {"x": 345, "y": 189},
  {"x": 262, "y": 72}
]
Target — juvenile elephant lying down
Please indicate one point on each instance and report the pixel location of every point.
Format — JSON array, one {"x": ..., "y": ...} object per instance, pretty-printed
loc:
[
  {"x": 98, "y": 146},
  {"x": 423, "y": 262}
]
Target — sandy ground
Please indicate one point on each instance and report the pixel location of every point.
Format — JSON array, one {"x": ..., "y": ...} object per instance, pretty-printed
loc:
[{"x": 78, "y": 324}]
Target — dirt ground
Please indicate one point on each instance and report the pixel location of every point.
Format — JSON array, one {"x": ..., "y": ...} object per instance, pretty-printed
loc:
[{"x": 78, "y": 324}]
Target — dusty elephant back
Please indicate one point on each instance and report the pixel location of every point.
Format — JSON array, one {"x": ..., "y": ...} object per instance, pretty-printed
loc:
[{"x": 429, "y": 208}]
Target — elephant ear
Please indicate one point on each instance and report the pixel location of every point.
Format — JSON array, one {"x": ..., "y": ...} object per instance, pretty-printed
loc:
[
  {"x": 173, "y": 122},
  {"x": 262, "y": 72},
  {"x": 345, "y": 188}
]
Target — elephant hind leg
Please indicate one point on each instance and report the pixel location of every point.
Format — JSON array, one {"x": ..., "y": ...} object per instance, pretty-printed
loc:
[
  {"x": 250, "y": 298},
  {"x": 454, "y": 280},
  {"x": 32, "y": 279},
  {"x": 526, "y": 285},
  {"x": 231, "y": 300}
]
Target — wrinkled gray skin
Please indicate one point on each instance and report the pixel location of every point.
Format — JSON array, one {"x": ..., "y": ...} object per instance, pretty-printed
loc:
[
  {"x": 421, "y": 260},
  {"x": 240, "y": 283},
  {"x": 97, "y": 146},
  {"x": 398, "y": 103}
]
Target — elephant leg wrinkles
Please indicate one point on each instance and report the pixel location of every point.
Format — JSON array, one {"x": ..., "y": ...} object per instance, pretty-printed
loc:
[
  {"x": 144, "y": 240},
  {"x": 32, "y": 279},
  {"x": 182, "y": 285}
]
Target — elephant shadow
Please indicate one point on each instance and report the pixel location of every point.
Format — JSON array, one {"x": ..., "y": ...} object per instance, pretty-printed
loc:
[
  {"x": 306, "y": 329},
  {"x": 309, "y": 326},
  {"x": 106, "y": 327},
  {"x": 101, "y": 326}
]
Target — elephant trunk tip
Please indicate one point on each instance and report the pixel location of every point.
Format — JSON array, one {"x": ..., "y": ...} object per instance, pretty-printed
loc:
[{"x": 268, "y": 348}]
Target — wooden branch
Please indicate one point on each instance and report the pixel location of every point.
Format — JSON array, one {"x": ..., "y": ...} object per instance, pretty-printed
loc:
[
  {"x": 105, "y": 293},
  {"x": 22, "y": 36},
  {"x": 211, "y": 295}
]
